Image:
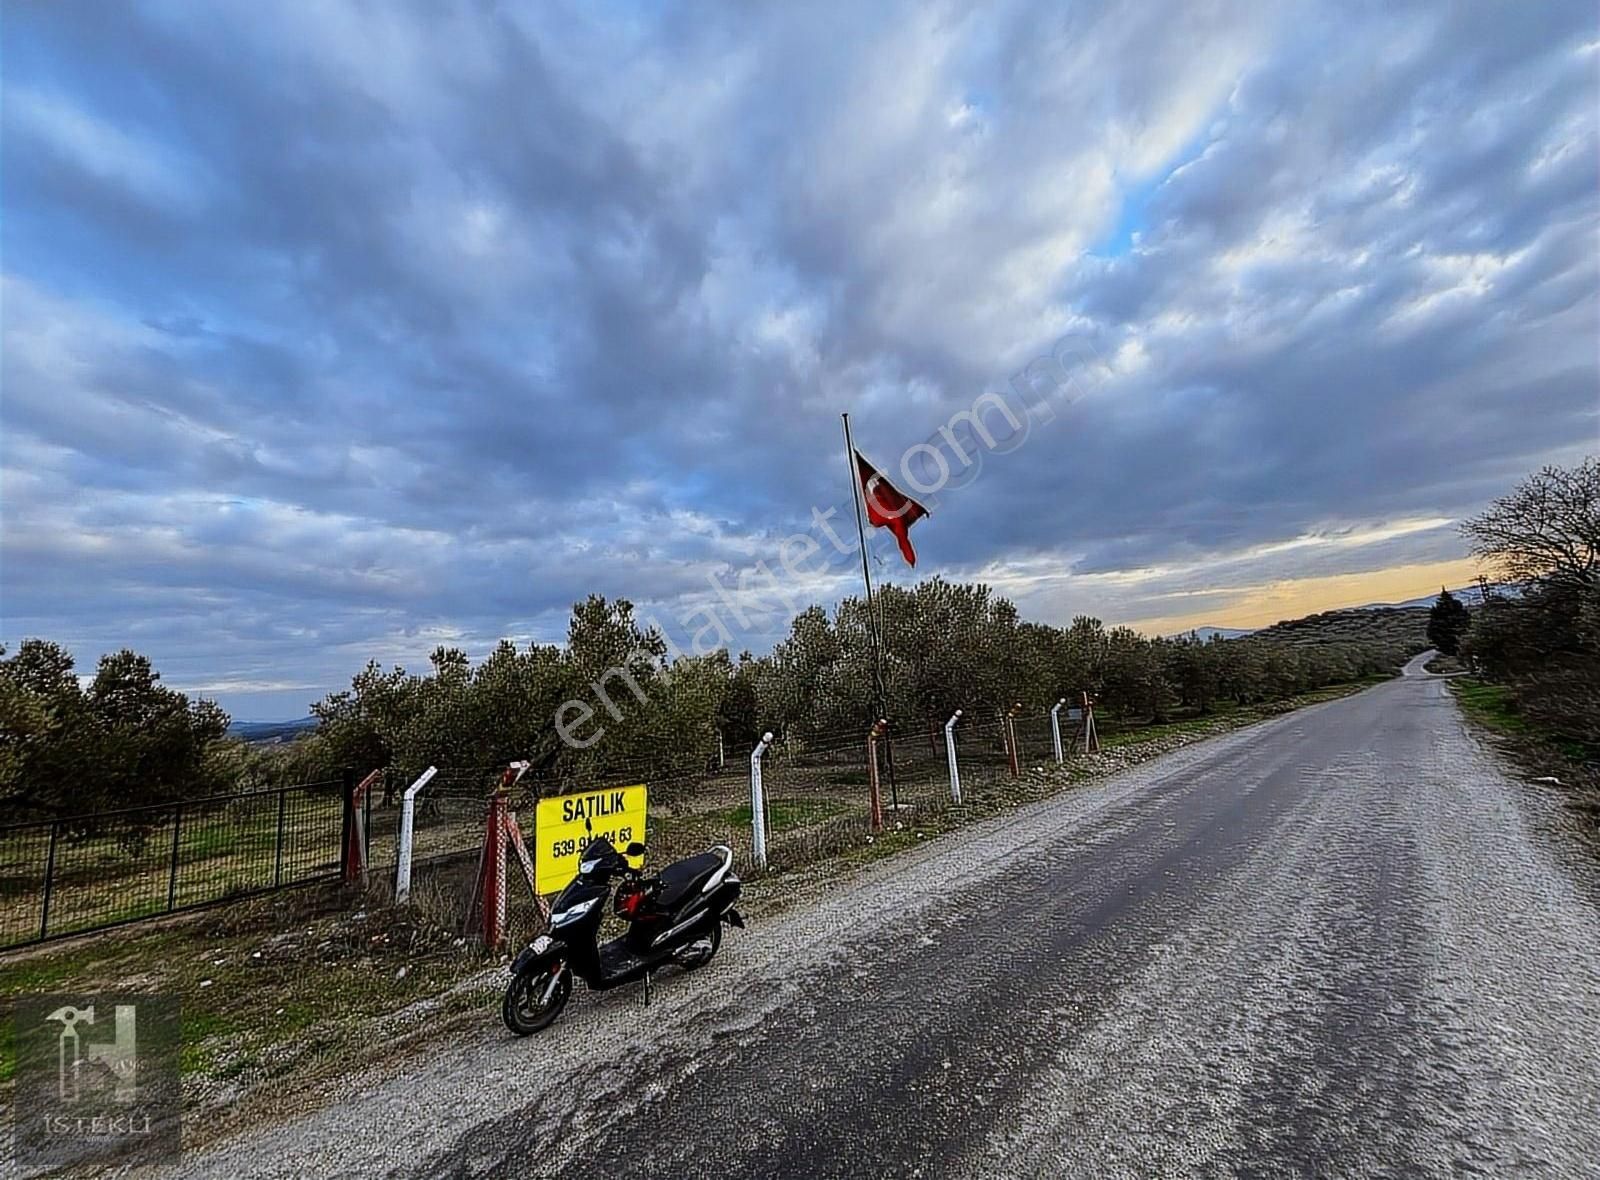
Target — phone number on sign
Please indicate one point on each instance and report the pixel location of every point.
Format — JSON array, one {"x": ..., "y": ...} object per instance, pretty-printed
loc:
[{"x": 620, "y": 839}]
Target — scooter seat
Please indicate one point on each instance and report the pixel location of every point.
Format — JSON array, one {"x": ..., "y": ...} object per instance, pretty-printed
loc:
[{"x": 678, "y": 882}]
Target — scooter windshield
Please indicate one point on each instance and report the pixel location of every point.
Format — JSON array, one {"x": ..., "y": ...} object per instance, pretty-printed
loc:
[{"x": 597, "y": 858}]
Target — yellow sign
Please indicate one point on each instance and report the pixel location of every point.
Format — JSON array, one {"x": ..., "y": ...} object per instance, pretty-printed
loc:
[{"x": 561, "y": 832}]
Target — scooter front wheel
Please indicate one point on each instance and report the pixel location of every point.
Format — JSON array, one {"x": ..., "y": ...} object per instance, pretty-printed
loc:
[{"x": 533, "y": 1000}]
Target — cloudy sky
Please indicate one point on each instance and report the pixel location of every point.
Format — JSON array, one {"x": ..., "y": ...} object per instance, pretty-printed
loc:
[{"x": 339, "y": 331}]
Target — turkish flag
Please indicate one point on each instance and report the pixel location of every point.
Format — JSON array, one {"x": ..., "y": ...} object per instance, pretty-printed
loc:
[{"x": 888, "y": 508}]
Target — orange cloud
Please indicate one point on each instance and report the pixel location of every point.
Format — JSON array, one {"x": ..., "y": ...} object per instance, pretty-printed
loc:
[{"x": 1261, "y": 606}]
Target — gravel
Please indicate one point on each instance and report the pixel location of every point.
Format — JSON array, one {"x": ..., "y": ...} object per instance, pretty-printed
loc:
[{"x": 1337, "y": 942}]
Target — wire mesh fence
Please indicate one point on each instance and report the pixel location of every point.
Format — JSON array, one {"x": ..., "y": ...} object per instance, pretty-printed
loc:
[
  {"x": 1035, "y": 739},
  {"x": 981, "y": 751},
  {"x": 72, "y": 875},
  {"x": 448, "y": 815}
]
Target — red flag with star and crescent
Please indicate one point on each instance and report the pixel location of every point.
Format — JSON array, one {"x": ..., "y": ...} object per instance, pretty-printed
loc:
[{"x": 888, "y": 507}]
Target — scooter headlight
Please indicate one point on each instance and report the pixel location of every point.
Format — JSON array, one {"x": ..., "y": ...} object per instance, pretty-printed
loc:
[{"x": 573, "y": 913}]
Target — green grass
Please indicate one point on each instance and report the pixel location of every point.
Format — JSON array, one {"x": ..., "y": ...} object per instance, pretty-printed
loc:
[
  {"x": 1538, "y": 751},
  {"x": 1150, "y": 733},
  {"x": 198, "y": 1027},
  {"x": 785, "y": 815},
  {"x": 1494, "y": 706},
  {"x": 1490, "y": 705},
  {"x": 1229, "y": 715},
  {"x": 209, "y": 842},
  {"x": 112, "y": 877},
  {"x": 264, "y": 991}
]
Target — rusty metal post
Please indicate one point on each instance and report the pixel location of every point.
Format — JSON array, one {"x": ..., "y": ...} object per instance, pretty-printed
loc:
[
  {"x": 1011, "y": 739},
  {"x": 353, "y": 860},
  {"x": 873, "y": 735}
]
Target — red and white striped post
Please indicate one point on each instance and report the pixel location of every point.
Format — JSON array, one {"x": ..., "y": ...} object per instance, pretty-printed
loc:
[{"x": 494, "y": 872}]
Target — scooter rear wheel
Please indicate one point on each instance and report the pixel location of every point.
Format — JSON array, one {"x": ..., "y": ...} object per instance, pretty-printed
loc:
[
  {"x": 526, "y": 1009},
  {"x": 699, "y": 952}
]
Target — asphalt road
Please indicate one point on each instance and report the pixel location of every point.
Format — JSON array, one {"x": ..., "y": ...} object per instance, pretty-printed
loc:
[{"x": 1337, "y": 943}]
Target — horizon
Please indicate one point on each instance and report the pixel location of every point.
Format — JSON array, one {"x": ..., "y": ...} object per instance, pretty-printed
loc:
[{"x": 422, "y": 327}]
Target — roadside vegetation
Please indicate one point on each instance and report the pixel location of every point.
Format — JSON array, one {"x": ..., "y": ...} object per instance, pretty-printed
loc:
[{"x": 1534, "y": 655}]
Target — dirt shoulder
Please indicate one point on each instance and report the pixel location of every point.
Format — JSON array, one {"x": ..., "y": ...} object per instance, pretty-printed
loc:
[{"x": 1567, "y": 772}]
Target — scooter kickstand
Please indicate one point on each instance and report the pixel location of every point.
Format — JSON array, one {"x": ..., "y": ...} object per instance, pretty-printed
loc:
[{"x": 647, "y": 983}]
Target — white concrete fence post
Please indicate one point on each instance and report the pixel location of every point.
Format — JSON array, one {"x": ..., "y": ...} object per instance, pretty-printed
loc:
[
  {"x": 950, "y": 756},
  {"x": 758, "y": 805},
  {"x": 1055, "y": 728},
  {"x": 408, "y": 817}
]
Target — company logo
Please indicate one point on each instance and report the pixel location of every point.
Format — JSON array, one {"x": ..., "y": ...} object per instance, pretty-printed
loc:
[
  {"x": 120, "y": 1056},
  {"x": 97, "y": 1079}
]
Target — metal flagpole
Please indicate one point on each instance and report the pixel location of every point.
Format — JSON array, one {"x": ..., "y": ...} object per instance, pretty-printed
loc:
[
  {"x": 866, "y": 572},
  {"x": 872, "y": 621},
  {"x": 888, "y": 737}
]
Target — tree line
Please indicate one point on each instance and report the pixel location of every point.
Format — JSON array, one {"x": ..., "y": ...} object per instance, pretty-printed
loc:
[
  {"x": 122, "y": 740},
  {"x": 126, "y": 740},
  {"x": 947, "y": 645}
]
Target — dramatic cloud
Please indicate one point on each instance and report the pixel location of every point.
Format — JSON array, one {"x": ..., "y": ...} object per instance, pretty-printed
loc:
[{"x": 338, "y": 332}]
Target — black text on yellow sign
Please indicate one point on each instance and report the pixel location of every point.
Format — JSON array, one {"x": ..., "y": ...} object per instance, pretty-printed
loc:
[{"x": 566, "y": 824}]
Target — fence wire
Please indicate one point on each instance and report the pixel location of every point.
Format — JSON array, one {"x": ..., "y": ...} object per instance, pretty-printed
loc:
[{"x": 67, "y": 876}]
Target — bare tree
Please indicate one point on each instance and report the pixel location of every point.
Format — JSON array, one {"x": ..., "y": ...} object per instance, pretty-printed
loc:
[{"x": 1549, "y": 527}]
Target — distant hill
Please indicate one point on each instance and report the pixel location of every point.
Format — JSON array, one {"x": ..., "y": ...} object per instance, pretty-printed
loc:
[
  {"x": 1399, "y": 626},
  {"x": 271, "y": 732},
  {"x": 1206, "y": 634},
  {"x": 1330, "y": 625},
  {"x": 1469, "y": 596}
]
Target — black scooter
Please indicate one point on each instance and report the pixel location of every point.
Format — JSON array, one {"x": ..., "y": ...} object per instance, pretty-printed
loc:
[{"x": 673, "y": 917}]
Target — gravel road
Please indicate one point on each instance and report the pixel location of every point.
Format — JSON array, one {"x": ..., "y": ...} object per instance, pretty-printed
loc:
[{"x": 1335, "y": 943}]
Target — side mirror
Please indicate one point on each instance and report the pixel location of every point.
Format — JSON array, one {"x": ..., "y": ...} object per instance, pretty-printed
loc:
[{"x": 634, "y": 849}]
